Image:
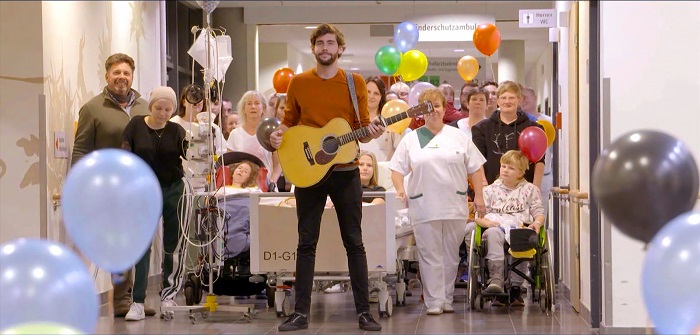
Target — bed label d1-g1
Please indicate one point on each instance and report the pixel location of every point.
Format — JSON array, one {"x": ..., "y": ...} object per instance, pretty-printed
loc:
[{"x": 284, "y": 255}]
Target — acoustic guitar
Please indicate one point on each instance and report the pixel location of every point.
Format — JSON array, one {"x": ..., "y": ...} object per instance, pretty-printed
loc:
[{"x": 308, "y": 154}]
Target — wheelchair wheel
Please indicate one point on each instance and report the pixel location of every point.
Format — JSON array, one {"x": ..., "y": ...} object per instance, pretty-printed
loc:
[
  {"x": 473, "y": 280},
  {"x": 550, "y": 280},
  {"x": 546, "y": 292}
]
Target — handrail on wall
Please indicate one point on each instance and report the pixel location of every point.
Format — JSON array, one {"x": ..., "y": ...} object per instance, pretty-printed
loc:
[{"x": 580, "y": 198}]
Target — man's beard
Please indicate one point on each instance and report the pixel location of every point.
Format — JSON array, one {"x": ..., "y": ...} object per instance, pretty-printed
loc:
[{"x": 328, "y": 62}]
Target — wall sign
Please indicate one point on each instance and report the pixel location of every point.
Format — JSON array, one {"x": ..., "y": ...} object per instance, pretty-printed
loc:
[
  {"x": 60, "y": 146},
  {"x": 537, "y": 18},
  {"x": 448, "y": 28}
]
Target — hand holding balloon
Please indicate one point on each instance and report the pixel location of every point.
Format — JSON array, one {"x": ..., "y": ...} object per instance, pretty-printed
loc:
[{"x": 264, "y": 131}]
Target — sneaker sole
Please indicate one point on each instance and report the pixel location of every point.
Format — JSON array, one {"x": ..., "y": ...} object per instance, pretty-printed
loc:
[
  {"x": 370, "y": 329},
  {"x": 292, "y": 329}
]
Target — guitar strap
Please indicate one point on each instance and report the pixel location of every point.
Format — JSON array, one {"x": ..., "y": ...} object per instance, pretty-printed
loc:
[{"x": 353, "y": 95}]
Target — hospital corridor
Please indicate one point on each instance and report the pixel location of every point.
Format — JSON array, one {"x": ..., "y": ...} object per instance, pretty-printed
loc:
[{"x": 349, "y": 167}]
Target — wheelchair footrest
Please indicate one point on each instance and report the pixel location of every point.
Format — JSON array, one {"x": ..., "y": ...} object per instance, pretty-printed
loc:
[{"x": 489, "y": 294}]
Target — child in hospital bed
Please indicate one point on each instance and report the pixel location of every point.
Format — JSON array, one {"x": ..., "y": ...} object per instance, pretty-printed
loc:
[{"x": 244, "y": 176}]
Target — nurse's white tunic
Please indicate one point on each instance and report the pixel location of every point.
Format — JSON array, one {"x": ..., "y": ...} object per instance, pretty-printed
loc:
[{"x": 437, "y": 184}]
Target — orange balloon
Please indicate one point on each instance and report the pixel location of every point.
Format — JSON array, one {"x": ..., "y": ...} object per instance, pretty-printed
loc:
[
  {"x": 393, "y": 107},
  {"x": 468, "y": 67},
  {"x": 281, "y": 79},
  {"x": 548, "y": 130},
  {"x": 487, "y": 38}
]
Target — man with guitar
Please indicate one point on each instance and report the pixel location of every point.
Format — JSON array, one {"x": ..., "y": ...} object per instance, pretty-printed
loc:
[{"x": 314, "y": 98}]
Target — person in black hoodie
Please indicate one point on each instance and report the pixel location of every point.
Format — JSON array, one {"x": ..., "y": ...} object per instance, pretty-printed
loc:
[{"x": 499, "y": 133}]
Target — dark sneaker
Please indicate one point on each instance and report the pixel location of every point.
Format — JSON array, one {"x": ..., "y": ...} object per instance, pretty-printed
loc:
[
  {"x": 367, "y": 323},
  {"x": 516, "y": 296},
  {"x": 499, "y": 301},
  {"x": 295, "y": 322}
]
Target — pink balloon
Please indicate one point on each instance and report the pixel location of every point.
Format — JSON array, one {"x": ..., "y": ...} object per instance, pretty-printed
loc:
[
  {"x": 415, "y": 92},
  {"x": 533, "y": 143}
]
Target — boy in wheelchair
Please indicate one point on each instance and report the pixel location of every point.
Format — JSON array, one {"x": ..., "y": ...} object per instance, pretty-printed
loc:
[{"x": 511, "y": 203}]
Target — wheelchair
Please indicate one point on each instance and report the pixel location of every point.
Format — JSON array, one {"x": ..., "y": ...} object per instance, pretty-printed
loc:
[{"x": 541, "y": 278}]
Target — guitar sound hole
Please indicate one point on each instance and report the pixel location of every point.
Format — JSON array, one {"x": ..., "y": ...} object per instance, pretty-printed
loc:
[{"x": 330, "y": 145}]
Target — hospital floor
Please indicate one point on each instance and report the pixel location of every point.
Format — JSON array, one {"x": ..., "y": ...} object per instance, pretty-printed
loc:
[{"x": 334, "y": 313}]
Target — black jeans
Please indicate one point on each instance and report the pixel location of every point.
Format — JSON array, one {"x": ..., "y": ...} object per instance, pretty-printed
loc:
[{"x": 345, "y": 190}]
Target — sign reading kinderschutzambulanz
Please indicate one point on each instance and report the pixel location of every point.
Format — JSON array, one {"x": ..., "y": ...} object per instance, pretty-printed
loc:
[{"x": 537, "y": 18}]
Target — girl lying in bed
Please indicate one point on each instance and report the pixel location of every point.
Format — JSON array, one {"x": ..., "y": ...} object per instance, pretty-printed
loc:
[{"x": 243, "y": 179}]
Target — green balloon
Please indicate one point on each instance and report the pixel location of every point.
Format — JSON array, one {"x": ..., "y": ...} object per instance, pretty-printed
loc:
[{"x": 388, "y": 59}]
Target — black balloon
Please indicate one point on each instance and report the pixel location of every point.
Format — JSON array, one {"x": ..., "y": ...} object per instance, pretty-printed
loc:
[
  {"x": 643, "y": 180},
  {"x": 264, "y": 130},
  {"x": 194, "y": 93}
]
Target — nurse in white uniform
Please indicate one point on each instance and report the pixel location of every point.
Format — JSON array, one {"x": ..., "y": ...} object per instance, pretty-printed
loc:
[{"x": 439, "y": 160}]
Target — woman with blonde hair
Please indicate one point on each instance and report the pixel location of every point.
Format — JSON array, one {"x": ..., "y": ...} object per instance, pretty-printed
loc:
[
  {"x": 251, "y": 109},
  {"x": 368, "y": 177},
  {"x": 438, "y": 159}
]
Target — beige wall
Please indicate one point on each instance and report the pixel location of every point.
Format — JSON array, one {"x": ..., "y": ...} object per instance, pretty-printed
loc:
[
  {"x": 60, "y": 55},
  {"x": 21, "y": 85}
]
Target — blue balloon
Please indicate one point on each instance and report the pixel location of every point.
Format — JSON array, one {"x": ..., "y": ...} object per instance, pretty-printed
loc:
[
  {"x": 405, "y": 36},
  {"x": 671, "y": 276},
  {"x": 112, "y": 203},
  {"x": 42, "y": 281}
]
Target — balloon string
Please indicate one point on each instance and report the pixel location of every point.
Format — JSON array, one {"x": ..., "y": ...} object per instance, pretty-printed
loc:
[{"x": 493, "y": 75}]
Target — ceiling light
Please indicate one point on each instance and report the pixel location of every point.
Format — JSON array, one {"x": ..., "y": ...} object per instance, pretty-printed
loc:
[
  {"x": 310, "y": 27},
  {"x": 354, "y": 69},
  {"x": 346, "y": 60},
  {"x": 459, "y": 50}
]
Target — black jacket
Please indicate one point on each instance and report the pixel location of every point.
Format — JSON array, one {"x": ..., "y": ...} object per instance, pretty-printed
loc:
[{"x": 494, "y": 138}]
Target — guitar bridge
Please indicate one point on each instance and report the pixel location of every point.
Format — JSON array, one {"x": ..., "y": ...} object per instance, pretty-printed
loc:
[{"x": 307, "y": 153}]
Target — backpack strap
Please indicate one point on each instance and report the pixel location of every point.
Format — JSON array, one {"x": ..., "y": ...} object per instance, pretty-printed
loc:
[{"x": 353, "y": 96}]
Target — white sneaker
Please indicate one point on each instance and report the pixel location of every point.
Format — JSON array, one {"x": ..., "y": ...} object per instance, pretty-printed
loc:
[
  {"x": 167, "y": 303},
  {"x": 447, "y": 308},
  {"x": 136, "y": 312},
  {"x": 337, "y": 288},
  {"x": 434, "y": 311}
]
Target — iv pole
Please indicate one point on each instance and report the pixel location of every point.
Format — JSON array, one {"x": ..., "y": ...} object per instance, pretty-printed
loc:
[{"x": 210, "y": 304}]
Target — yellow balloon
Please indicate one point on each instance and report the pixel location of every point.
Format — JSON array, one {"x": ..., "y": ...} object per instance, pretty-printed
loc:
[
  {"x": 549, "y": 131},
  {"x": 468, "y": 67},
  {"x": 41, "y": 328},
  {"x": 393, "y": 107},
  {"x": 413, "y": 65}
]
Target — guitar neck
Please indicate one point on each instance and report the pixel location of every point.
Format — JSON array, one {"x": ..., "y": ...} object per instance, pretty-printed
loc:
[{"x": 364, "y": 131}]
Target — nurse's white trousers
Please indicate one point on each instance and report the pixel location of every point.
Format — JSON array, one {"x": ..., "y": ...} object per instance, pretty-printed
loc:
[{"x": 438, "y": 257}]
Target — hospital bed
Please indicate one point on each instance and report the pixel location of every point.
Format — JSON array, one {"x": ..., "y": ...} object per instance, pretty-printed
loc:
[{"x": 274, "y": 238}]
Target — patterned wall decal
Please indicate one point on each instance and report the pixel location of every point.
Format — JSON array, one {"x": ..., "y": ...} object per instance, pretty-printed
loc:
[{"x": 31, "y": 149}]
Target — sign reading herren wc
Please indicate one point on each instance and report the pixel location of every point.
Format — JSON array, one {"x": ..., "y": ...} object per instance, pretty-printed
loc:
[
  {"x": 447, "y": 28},
  {"x": 537, "y": 18}
]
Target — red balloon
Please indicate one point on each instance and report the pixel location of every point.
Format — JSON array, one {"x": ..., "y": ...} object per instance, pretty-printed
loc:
[
  {"x": 533, "y": 143},
  {"x": 281, "y": 79},
  {"x": 487, "y": 38}
]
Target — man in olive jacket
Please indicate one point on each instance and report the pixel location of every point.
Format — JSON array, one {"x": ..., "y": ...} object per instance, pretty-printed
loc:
[{"x": 101, "y": 122}]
